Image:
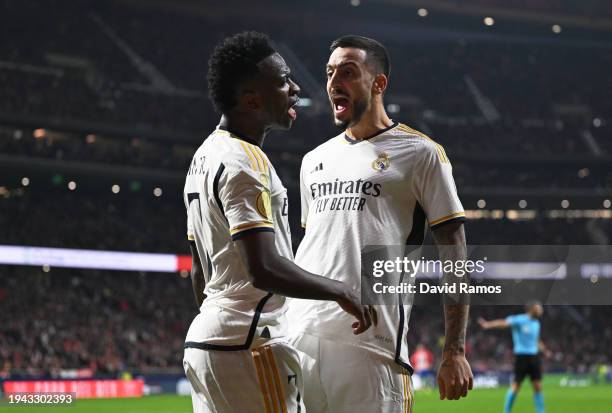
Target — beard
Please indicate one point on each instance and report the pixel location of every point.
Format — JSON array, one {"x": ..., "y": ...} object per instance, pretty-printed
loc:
[{"x": 359, "y": 108}]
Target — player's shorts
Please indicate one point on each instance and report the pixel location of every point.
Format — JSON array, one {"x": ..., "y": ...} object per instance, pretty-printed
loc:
[
  {"x": 341, "y": 378},
  {"x": 266, "y": 379},
  {"x": 527, "y": 365}
]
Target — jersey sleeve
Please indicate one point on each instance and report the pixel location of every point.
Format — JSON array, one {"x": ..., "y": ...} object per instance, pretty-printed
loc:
[
  {"x": 243, "y": 190},
  {"x": 435, "y": 187},
  {"x": 191, "y": 205},
  {"x": 305, "y": 197},
  {"x": 513, "y": 320}
]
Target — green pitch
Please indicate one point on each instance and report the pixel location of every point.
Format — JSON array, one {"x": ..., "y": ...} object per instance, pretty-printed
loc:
[{"x": 596, "y": 399}]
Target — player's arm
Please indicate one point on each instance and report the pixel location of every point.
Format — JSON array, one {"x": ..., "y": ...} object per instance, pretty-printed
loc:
[
  {"x": 244, "y": 197},
  {"x": 435, "y": 190},
  {"x": 455, "y": 375},
  {"x": 269, "y": 271},
  {"x": 543, "y": 349},
  {"x": 491, "y": 324},
  {"x": 197, "y": 275}
]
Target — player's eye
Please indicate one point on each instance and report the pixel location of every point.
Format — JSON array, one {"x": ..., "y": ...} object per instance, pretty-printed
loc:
[{"x": 329, "y": 73}]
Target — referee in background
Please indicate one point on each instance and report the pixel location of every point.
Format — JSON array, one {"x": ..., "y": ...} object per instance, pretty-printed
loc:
[{"x": 527, "y": 345}]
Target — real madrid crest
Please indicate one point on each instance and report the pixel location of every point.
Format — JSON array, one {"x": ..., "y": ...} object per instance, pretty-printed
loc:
[{"x": 381, "y": 163}]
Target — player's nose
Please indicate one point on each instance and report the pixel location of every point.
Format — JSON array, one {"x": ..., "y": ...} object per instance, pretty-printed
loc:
[
  {"x": 332, "y": 81},
  {"x": 294, "y": 88}
]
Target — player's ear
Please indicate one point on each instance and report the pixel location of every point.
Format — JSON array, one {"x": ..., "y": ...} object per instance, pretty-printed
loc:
[
  {"x": 249, "y": 100},
  {"x": 380, "y": 84}
]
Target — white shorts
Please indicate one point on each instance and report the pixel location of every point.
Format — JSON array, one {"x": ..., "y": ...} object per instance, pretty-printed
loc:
[
  {"x": 349, "y": 379},
  {"x": 266, "y": 379}
]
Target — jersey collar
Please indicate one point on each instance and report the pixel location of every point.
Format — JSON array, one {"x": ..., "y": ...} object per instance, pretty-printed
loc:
[
  {"x": 380, "y": 132},
  {"x": 235, "y": 135}
]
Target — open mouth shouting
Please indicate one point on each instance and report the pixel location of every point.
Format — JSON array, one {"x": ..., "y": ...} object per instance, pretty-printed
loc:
[
  {"x": 291, "y": 111},
  {"x": 340, "y": 104}
]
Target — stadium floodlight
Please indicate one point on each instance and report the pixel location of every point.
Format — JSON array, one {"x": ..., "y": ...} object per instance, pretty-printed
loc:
[
  {"x": 355, "y": 3},
  {"x": 422, "y": 12},
  {"x": 556, "y": 28},
  {"x": 522, "y": 204},
  {"x": 607, "y": 203},
  {"x": 565, "y": 204},
  {"x": 481, "y": 203},
  {"x": 489, "y": 21},
  {"x": 115, "y": 188},
  {"x": 25, "y": 181},
  {"x": 157, "y": 192},
  {"x": 72, "y": 185},
  {"x": 497, "y": 214},
  {"x": 597, "y": 122},
  {"x": 393, "y": 108}
]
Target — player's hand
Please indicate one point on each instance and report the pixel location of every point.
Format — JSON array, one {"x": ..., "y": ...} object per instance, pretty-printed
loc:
[
  {"x": 482, "y": 322},
  {"x": 365, "y": 314},
  {"x": 454, "y": 377}
]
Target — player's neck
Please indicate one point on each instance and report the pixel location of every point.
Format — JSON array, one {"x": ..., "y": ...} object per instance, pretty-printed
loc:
[
  {"x": 244, "y": 128},
  {"x": 370, "y": 124}
]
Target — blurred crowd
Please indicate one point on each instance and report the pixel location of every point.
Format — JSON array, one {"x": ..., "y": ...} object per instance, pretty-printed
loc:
[
  {"x": 95, "y": 149},
  {"x": 106, "y": 221},
  {"x": 577, "y": 337},
  {"x": 142, "y": 222},
  {"x": 108, "y": 66},
  {"x": 591, "y": 8},
  {"x": 109, "y": 323},
  {"x": 468, "y": 172},
  {"x": 105, "y": 323}
]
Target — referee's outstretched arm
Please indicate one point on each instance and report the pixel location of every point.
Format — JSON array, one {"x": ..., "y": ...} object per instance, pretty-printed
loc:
[{"x": 487, "y": 325}]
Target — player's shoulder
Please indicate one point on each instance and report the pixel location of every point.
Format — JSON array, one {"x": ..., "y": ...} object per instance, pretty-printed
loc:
[
  {"x": 423, "y": 144},
  {"x": 332, "y": 144},
  {"x": 411, "y": 135},
  {"x": 235, "y": 153},
  {"x": 519, "y": 317}
]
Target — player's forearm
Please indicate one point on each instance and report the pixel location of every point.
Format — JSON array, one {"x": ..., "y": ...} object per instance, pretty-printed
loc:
[
  {"x": 452, "y": 247},
  {"x": 456, "y": 317},
  {"x": 282, "y": 276},
  {"x": 501, "y": 323}
]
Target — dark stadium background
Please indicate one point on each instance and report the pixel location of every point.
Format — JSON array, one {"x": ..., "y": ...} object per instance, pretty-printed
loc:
[{"x": 102, "y": 104}]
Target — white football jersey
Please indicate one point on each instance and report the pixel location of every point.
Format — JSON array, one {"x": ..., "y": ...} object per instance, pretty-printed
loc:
[
  {"x": 232, "y": 190},
  {"x": 378, "y": 191}
]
